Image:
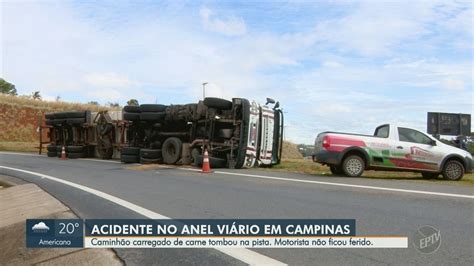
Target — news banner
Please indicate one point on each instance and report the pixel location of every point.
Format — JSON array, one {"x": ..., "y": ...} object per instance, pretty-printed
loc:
[{"x": 203, "y": 233}]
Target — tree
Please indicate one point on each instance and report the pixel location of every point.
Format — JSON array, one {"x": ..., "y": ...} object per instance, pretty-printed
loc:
[
  {"x": 133, "y": 102},
  {"x": 114, "y": 104},
  {"x": 36, "y": 95},
  {"x": 7, "y": 88},
  {"x": 93, "y": 103},
  {"x": 58, "y": 98}
]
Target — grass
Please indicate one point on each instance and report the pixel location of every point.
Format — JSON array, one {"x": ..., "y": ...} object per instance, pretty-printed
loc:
[
  {"x": 306, "y": 166},
  {"x": 20, "y": 146},
  {"x": 49, "y": 106}
]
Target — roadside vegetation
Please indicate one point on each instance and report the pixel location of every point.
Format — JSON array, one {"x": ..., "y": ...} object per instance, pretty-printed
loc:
[
  {"x": 307, "y": 166},
  {"x": 19, "y": 116}
]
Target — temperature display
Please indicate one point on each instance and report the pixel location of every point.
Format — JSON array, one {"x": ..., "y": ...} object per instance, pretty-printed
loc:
[{"x": 54, "y": 233}]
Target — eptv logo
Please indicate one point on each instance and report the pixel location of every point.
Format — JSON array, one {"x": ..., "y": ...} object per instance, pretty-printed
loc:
[{"x": 427, "y": 239}]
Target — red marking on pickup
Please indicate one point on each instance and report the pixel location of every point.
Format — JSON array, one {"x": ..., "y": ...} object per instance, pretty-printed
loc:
[
  {"x": 407, "y": 163},
  {"x": 338, "y": 144}
]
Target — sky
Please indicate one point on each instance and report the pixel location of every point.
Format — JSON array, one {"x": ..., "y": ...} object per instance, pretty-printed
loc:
[{"x": 332, "y": 65}]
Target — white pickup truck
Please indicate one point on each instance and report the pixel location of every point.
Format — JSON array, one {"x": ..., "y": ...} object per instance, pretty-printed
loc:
[{"x": 391, "y": 148}]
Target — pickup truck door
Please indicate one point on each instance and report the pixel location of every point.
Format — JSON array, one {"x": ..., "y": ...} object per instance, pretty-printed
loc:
[{"x": 415, "y": 150}]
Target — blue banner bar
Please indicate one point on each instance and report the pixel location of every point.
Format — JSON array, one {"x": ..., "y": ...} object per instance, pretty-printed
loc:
[{"x": 221, "y": 227}]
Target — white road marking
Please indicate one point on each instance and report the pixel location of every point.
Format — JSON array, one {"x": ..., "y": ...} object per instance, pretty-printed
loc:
[
  {"x": 242, "y": 254},
  {"x": 42, "y": 155},
  {"x": 98, "y": 160},
  {"x": 19, "y": 153},
  {"x": 349, "y": 185}
]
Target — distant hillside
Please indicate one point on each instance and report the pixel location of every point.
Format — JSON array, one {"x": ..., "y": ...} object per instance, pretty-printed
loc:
[
  {"x": 19, "y": 116},
  {"x": 290, "y": 151}
]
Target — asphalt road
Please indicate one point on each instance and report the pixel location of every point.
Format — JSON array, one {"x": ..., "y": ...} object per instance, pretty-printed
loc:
[{"x": 380, "y": 207}]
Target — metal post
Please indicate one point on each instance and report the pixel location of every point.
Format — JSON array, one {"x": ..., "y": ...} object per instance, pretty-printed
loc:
[{"x": 204, "y": 90}]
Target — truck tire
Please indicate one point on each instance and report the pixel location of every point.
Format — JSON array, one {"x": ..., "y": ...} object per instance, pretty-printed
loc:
[
  {"x": 353, "y": 166},
  {"x": 124, "y": 158},
  {"x": 171, "y": 150},
  {"x": 52, "y": 154},
  {"x": 52, "y": 148},
  {"x": 75, "y": 155},
  {"x": 75, "y": 121},
  {"x": 131, "y": 116},
  {"x": 453, "y": 170},
  {"x": 150, "y": 161},
  {"x": 49, "y": 116},
  {"x": 336, "y": 170},
  {"x": 74, "y": 149},
  {"x": 429, "y": 175},
  {"x": 218, "y": 103},
  {"x": 152, "y": 108},
  {"x": 195, "y": 153},
  {"x": 81, "y": 114},
  {"x": 60, "y": 115},
  {"x": 131, "y": 109},
  {"x": 150, "y": 153},
  {"x": 215, "y": 162},
  {"x": 58, "y": 122},
  {"x": 130, "y": 151},
  {"x": 152, "y": 116}
]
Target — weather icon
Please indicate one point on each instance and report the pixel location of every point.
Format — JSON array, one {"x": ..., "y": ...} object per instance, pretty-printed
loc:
[{"x": 40, "y": 228}]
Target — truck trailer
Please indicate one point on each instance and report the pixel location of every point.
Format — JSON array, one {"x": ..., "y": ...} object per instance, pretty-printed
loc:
[{"x": 236, "y": 133}]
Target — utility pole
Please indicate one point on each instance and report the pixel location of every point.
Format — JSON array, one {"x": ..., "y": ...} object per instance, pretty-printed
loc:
[{"x": 204, "y": 90}]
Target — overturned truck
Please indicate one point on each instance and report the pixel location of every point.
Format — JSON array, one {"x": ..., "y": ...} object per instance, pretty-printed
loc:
[{"x": 236, "y": 133}]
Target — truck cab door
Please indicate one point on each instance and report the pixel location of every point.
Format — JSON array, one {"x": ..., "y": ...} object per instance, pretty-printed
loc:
[{"x": 415, "y": 150}]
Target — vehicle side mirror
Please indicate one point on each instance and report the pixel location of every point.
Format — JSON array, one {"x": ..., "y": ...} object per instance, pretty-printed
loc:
[{"x": 433, "y": 143}]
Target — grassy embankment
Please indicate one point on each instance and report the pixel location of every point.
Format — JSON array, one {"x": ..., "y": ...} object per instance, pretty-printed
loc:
[{"x": 19, "y": 120}]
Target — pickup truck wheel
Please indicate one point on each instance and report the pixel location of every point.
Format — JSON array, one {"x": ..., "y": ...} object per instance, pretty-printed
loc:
[
  {"x": 428, "y": 175},
  {"x": 353, "y": 166},
  {"x": 453, "y": 170},
  {"x": 336, "y": 170}
]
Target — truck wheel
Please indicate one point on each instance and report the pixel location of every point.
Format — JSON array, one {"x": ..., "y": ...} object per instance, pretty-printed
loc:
[
  {"x": 150, "y": 153},
  {"x": 152, "y": 116},
  {"x": 52, "y": 148},
  {"x": 150, "y": 161},
  {"x": 75, "y": 155},
  {"x": 353, "y": 166},
  {"x": 130, "y": 151},
  {"x": 152, "y": 108},
  {"x": 336, "y": 170},
  {"x": 218, "y": 103},
  {"x": 124, "y": 158},
  {"x": 131, "y": 116},
  {"x": 74, "y": 149},
  {"x": 75, "y": 121},
  {"x": 50, "y": 116},
  {"x": 429, "y": 175},
  {"x": 131, "y": 109},
  {"x": 453, "y": 170},
  {"x": 171, "y": 150}
]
